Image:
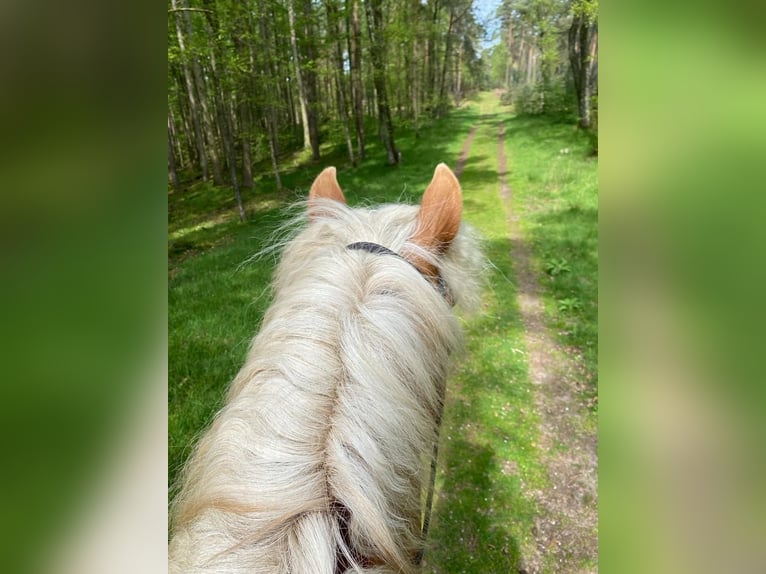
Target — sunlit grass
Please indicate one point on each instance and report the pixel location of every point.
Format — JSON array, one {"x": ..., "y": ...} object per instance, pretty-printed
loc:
[
  {"x": 554, "y": 182},
  {"x": 489, "y": 459}
]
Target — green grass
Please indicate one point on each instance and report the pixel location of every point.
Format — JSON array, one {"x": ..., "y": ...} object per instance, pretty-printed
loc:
[
  {"x": 489, "y": 458},
  {"x": 554, "y": 185}
]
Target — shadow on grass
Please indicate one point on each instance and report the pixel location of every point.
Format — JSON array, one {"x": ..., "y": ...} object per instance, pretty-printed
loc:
[
  {"x": 467, "y": 535},
  {"x": 553, "y": 185},
  {"x": 488, "y": 453}
]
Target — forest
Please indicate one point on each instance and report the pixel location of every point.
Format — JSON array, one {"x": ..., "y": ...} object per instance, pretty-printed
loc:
[{"x": 250, "y": 83}]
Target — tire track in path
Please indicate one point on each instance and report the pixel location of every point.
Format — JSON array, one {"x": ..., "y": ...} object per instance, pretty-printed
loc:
[
  {"x": 565, "y": 531},
  {"x": 463, "y": 157}
]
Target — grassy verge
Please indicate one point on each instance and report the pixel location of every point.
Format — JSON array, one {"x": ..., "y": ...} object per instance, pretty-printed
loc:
[
  {"x": 554, "y": 183},
  {"x": 488, "y": 459}
]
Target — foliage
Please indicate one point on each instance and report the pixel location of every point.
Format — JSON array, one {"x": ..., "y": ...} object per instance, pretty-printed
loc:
[
  {"x": 568, "y": 305},
  {"x": 556, "y": 100},
  {"x": 245, "y": 78},
  {"x": 557, "y": 266},
  {"x": 531, "y": 59},
  {"x": 587, "y": 8},
  {"x": 528, "y": 100}
]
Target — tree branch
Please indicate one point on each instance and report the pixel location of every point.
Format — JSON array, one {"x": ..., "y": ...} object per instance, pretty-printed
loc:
[{"x": 189, "y": 10}]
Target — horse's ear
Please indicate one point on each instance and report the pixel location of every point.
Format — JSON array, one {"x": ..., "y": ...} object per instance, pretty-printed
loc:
[
  {"x": 325, "y": 186},
  {"x": 440, "y": 211}
]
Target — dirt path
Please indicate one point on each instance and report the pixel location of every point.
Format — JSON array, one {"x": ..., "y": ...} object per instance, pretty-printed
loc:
[
  {"x": 566, "y": 536},
  {"x": 464, "y": 152}
]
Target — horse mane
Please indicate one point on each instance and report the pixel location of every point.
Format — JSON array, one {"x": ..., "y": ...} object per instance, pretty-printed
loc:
[{"x": 316, "y": 462}]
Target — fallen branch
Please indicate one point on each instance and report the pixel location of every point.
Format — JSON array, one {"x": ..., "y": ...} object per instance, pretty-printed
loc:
[{"x": 189, "y": 10}]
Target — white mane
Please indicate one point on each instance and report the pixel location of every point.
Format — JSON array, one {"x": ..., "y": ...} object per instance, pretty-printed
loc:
[{"x": 315, "y": 464}]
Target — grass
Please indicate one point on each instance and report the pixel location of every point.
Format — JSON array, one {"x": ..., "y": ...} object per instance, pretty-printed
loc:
[
  {"x": 555, "y": 189},
  {"x": 489, "y": 458}
]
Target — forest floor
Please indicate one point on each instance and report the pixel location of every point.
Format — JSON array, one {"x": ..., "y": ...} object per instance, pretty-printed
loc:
[{"x": 516, "y": 483}]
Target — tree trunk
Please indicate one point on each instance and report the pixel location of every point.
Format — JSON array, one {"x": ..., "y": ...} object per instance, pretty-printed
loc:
[
  {"x": 399, "y": 67},
  {"x": 431, "y": 60},
  {"x": 594, "y": 60},
  {"x": 310, "y": 79},
  {"x": 173, "y": 134},
  {"x": 299, "y": 77},
  {"x": 225, "y": 119},
  {"x": 191, "y": 93},
  {"x": 334, "y": 28},
  {"x": 208, "y": 124},
  {"x": 522, "y": 61},
  {"x": 269, "y": 113},
  {"x": 271, "y": 128},
  {"x": 415, "y": 88},
  {"x": 509, "y": 60},
  {"x": 247, "y": 160},
  {"x": 189, "y": 145},
  {"x": 355, "y": 55},
  {"x": 172, "y": 174},
  {"x": 228, "y": 138},
  {"x": 441, "y": 106},
  {"x": 306, "y": 77},
  {"x": 459, "y": 74},
  {"x": 377, "y": 54},
  {"x": 282, "y": 44},
  {"x": 580, "y": 39}
]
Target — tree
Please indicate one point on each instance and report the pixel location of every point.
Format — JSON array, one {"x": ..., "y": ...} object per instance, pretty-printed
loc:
[
  {"x": 172, "y": 173},
  {"x": 536, "y": 44},
  {"x": 251, "y": 82},
  {"x": 224, "y": 111},
  {"x": 354, "y": 29},
  {"x": 583, "y": 43},
  {"x": 334, "y": 29},
  {"x": 306, "y": 87},
  {"x": 190, "y": 93},
  {"x": 378, "y": 57}
]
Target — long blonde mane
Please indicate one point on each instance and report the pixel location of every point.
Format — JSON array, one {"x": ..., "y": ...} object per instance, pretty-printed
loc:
[{"x": 315, "y": 464}]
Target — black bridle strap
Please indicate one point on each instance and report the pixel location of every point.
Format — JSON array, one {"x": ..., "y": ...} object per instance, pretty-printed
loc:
[
  {"x": 437, "y": 281},
  {"x": 373, "y": 248}
]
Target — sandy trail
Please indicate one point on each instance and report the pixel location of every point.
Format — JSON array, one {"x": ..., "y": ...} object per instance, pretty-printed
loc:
[
  {"x": 566, "y": 528},
  {"x": 565, "y": 532}
]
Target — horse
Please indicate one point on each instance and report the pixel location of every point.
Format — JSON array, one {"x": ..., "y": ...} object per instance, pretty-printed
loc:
[{"x": 317, "y": 462}]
